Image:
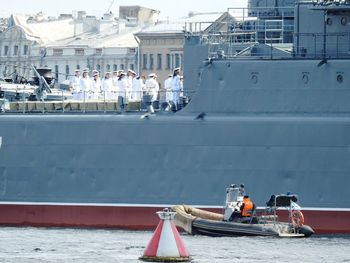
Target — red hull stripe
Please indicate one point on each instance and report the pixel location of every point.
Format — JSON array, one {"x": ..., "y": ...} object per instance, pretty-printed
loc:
[
  {"x": 136, "y": 218},
  {"x": 157, "y": 205}
]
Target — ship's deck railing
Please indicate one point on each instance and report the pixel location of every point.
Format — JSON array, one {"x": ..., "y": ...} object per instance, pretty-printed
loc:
[
  {"x": 329, "y": 2},
  {"x": 257, "y": 19},
  {"x": 268, "y": 33},
  {"x": 245, "y": 26},
  {"x": 99, "y": 102},
  {"x": 330, "y": 45}
]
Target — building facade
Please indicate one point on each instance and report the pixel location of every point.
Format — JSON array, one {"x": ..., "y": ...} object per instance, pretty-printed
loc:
[
  {"x": 67, "y": 43},
  {"x": 161, "y": 45}
]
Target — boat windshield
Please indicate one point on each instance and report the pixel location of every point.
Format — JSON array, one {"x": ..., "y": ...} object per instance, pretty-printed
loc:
[{"x": 234, "y": 195}]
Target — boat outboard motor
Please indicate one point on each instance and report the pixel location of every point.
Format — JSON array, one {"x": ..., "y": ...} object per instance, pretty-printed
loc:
[{"x": 234, "y": 200}]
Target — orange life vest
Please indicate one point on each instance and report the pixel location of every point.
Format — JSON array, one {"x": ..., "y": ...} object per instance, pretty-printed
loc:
[{"x": 247, "y": 208}]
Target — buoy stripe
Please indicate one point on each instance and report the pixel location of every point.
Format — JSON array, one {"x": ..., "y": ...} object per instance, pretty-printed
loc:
[
  {"x": 179, "y": 243},
  {"x": 151, "y": 250},
  {"x": 167, "y": 244}
]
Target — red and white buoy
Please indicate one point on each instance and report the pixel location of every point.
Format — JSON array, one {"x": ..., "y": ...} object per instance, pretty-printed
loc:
[{"x": 166, "y": 244}]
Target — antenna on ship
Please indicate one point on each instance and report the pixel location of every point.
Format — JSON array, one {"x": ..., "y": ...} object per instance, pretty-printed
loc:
[
  {"x": 110, "y": 6},
  {"x": 42, "y": 82}
]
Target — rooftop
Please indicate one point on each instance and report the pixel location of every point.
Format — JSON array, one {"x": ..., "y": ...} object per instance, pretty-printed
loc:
[
  {"x": 46, "y": 31},
  {"x": 178, "y": 26}
]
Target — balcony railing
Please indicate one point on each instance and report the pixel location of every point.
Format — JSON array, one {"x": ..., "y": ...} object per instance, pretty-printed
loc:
[{"x": 99, "y": 102}]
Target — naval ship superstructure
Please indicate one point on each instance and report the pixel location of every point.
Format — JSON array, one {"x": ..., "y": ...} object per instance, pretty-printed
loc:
[{"x": 274, "y": 116}]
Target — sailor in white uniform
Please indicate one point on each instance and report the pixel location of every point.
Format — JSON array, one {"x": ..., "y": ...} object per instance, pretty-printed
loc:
[
  {"x": 107, "y": 86},
  {"x": 123, "y": 85},
  {"x": 176, "y": 86},
  {"x": 152, "y": 86},
  {"x": 74, "y": 85},
  {"x": 96, "y": 86},
  {"x": 167, "y": 87},
  {"x": 137, "y": 88},
  {"x": 181, "y": 86},
  {"x": 134, "y": 85},
  {"x": 115, "y": 89},
  {"x": 85, "y": 85}
]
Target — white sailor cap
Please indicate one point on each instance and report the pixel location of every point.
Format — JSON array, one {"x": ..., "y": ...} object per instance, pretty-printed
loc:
[
  {"x": 152, "y": 75},
  {"x": 86, "y": 70},
  {"x": 77, "y": 70},
  {"x": 176, "y": 69},
  {"x": 170, "y": 75},
  {"x": 122, "y": 73},
  {"x": 131, "y": 71},
  {"x": 108, "y": 72},
  {"x": 95, "y": 73}
]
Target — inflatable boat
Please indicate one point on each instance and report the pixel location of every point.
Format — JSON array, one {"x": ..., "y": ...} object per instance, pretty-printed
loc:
[{"x": 265, "y": 223}]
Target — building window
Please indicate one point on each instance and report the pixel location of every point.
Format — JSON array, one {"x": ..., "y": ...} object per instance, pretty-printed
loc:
[
  {"x": 98, "y": 67},
  {"x": 177, "y": 60},
  {"x": 132, "y": 67},
  {"x": 168, "y": 61},
  {"x": 67, "y": 71},
  {"x": 151, "y": 61},
  {"x": 79, "y": 52},
  {"x": 57, "y": 51},
  {"x": 78, "y": 66},
  {"x": 182, "y": 61},
  {"x": 159, "y": 61},
  {"x": 56, "y": 72},
  {"x": 25, "y": 50},
  {"x": 144, "y": 64},
  {"x": 6, "y": 50},
  {"x": 108, "y": 67},
  {"x": 15, "y": 50},
  {"x": 115, "y": 67},
  {"x": 98, "y": 51},
  {"x": 122, "y": 66},
  {"x": 132, "y": 50}
]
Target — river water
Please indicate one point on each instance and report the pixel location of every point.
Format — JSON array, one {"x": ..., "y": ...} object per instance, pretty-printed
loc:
[{"x": 39, "y": 245}]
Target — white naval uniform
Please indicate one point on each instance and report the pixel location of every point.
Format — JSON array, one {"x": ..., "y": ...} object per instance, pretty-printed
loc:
[
  {"x": 123, "y": 87},
  {"x": 96, "y": 88},
  {"x": 75, "y": 84},
  {"x": 167, "y": 87},
  {"x": 129, "y": 89},
  {"x": 152, "y": 88},
  {"x": 176, "y": 88},
  {"x": 137, "y": 89},
  {"x": 115, "y": 90},
  {"x": 85, "y": 87},
  {"x": 107, "y": 88}
]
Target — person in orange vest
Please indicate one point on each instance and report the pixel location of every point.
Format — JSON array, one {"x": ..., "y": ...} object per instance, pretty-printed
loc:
[{"x": 247, "y": 207}]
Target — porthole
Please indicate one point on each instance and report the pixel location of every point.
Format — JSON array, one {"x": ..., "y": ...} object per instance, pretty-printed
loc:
[
  {"x": 254, "y": 79},
  {"x": 343, "y": 20},
  {"x": 329, "y": 21},
  {"x": 340, "y": 78},
  {"x": 305, "y": 79}
]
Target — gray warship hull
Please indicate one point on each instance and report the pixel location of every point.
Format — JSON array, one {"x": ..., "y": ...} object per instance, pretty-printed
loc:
[{"x": 118, "y": 163}]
